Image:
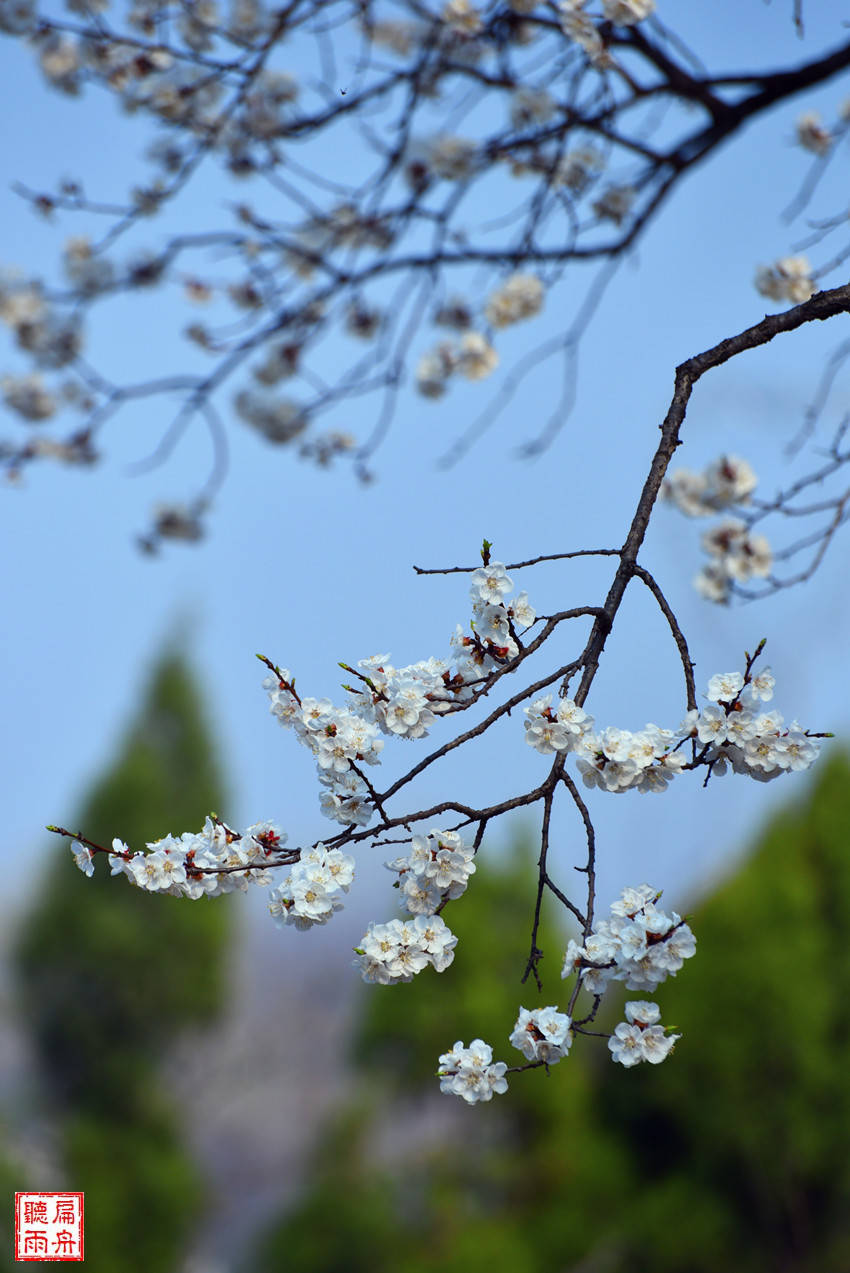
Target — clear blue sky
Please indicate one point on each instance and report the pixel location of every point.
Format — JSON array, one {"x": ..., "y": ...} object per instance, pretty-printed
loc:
[{"x": 311, "y": 568}]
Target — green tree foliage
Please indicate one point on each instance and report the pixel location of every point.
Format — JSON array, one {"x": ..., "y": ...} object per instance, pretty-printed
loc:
[
  {"x": 10, "y": 1181},
  {"x": 745, "y": 1134},
  {"x": 733, "y": 1154},
  {"x": 109, "y": 975}
]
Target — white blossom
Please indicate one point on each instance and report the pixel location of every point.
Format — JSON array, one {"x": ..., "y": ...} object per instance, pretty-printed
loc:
[
  {"x": 627, "y": 12},
  {"x": 725, "y": 687},
  {"x": 29, "y": 397},
  {"x": 542, "y": 1034},
  {"x": 462, "y": 17},
  {"x": 398, "y": 37},
  {"x": 521, "y": 611},
  {"x": 788, "y": 279},
  {"x": 689, "y": 491},
  {"x": 397, "y": 951},
  {"x": 476, "y": 357},
  {"x": 83, "y": 858},
  {"x": 490, "y": 583},
  {"x": 577, "y": 168},
  {"x": 89, "y": 272},
  {"x": 615, "y": 203},
  {"x": 59, "y": 57},
  {"x": 471, "y": 1072},
  {"x": 739, "y": 556},
  {"x": 531, "y": 106},
  {"x": 278, "y": 419},
  {"x": 437, "y": 869},
  {"x": 640, "y": 1037},
  {"x": 452, "y": 158},
  {"x": 519, "y": 297},
  {"x": 312, "y": 892},
  {"x": 640, "y": 945},
  {"x": 712, "y": 583},
  {"x": 434, "y": 369},
  {"x": 581, "y": 29},
  {"x": 812, "y": 134}
]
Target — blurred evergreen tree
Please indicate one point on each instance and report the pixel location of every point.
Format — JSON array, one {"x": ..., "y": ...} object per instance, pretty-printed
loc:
[
  {"x": 108, "y": 976},
  {"x": 10, "y": 1181},
  {"x": 733, "y": 1154},
  {"x": 742, "y": 1140}
]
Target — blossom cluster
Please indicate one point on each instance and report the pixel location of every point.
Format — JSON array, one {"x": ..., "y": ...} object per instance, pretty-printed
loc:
[
  {"x": 820, "y": 138},
  {"x": 726, "y": 481},
  {"x": 29, "y": 397},
  {"x": 576, "y": 169},
  {"x": 614, "y": 759},
  {"x": 615, "y": 203},
  {"x": 581, "y": 28},
  {"x": 86, "y": 270},
  {"x": 529, "y": 106},
  {"x": 218, "y": 860},
  {"x": 444, "y": 157},
  {"x": 471, "y": 1073},
  {"x": 207, "y": 863},
  {"x": 641, "y": 1037},
  {"x": 53, "y": 340},
  {"x": 738, "y": 732},
  {"x": 494, "y": 622},
  {"x": 736, "y": 553},
  {"x": 812, "y": 133},
  {"x": 473, "y": 356},
  {"x": 462, "y": 17},
  {"x": 520, "y": 296},
  {"x": 627, "y": 13},
  {"x": 731, "y": 728},
  {"x": 639, "y": 944},
  {"x": 279, "y": 420},
  {"x": 313, "y": 890},
  {"x": 436, "y": 870},
  {"x": 398, "y": 702},
  {"x": 788, "y": 279},
  {"x": 397, "y": 951},
  {"x": 542, "y": 1034}
]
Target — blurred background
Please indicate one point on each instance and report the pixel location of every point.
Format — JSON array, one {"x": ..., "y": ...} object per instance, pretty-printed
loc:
[
  {"x": 225, "y": 1108},
  {"x": 227, "y": 1094}
]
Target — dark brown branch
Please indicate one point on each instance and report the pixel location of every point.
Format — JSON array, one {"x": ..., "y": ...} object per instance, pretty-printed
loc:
[
  {"x": 678, "y": 634},
  {"x": 822, "y": 306}
]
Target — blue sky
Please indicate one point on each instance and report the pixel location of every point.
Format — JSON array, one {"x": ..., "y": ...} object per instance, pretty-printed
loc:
[{"x": 311, "y": 568}]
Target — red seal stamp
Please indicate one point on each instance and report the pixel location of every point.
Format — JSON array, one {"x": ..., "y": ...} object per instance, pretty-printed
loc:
[{"x": 48, "y": 1226}]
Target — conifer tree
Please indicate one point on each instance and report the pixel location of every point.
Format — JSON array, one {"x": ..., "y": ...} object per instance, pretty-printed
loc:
[{"x": 109, "y": 976}]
